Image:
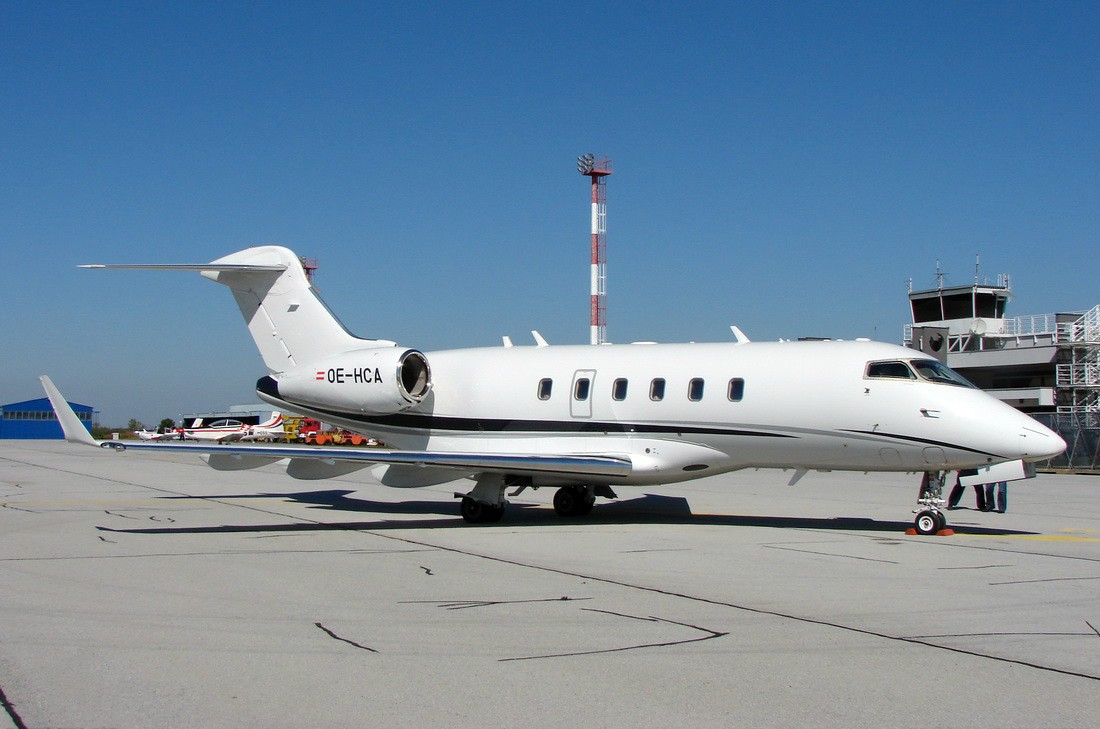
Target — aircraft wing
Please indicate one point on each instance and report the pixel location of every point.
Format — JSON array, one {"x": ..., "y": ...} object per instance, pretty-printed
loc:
[
  {"x": 525, "y": 464},
  {"x": 232, "y": 456}
]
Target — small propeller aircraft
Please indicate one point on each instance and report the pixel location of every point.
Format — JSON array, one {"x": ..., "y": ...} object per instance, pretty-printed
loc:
[
  {"x": 270, "y": 429},
  {"x": 585, "y": 419},
  {"x": 219, "y": 430}
]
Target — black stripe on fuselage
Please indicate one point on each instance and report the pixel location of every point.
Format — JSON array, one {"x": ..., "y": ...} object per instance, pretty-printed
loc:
[
  {"x": 925, "y": 441},
  {"x": 419, "y": 421},
  {"x": 413, "y": 421}
]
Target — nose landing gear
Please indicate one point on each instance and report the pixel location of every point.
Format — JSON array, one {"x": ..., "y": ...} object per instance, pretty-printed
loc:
[{"x": 930, "y": 520}]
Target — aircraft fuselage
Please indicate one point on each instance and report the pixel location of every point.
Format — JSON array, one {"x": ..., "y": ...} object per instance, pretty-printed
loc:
[{"x": 683, "y": 411}]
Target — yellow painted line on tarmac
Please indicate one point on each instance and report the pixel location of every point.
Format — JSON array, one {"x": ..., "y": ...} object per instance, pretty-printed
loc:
[{"x": 1033, "y": 537}]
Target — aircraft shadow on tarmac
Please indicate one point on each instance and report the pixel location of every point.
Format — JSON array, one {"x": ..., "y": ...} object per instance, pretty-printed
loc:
[{"x": 647, "y": 509}]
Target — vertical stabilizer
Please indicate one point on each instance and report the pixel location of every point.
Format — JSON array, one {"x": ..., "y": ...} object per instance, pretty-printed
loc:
[{"x": 287, "y": 319}]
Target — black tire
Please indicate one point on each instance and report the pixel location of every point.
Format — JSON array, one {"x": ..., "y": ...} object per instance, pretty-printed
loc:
[
  {"x": 941, "y": 519},
  {"x": 584, "y": 507},
  {"x": 573, "y": 501},
  {"x": 568, "y": 501},
  {"x": 565, "y": 501},
  {"x": 927, "y": 522},
  {"x": 475, "y": 512}
]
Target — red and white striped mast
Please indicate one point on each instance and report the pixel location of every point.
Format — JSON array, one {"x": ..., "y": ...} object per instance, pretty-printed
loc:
[{"x": 598, "y": 169}]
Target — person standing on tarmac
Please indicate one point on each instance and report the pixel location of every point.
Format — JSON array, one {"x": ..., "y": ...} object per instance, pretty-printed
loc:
[{"x": 988, "y": 496}]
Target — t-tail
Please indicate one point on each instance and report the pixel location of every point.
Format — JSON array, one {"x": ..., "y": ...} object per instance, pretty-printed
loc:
[
  {"x": 301, "y": 341},
  {"x": 287, "y": 319}
]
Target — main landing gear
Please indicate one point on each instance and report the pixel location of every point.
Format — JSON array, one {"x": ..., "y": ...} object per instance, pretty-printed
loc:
[
  {"x": 485, "y": 503},
  {"x": 574, "y": 500},
  {"x": 578, "y": 500},
  {"x": 476, "y": 512},
  {"x": 930, "y": 519}
]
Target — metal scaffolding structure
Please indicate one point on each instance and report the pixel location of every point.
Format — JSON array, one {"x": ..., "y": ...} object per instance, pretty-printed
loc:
[
  {"x": 1077, "y": 393},
  {"x": 1078, "y": 370}
]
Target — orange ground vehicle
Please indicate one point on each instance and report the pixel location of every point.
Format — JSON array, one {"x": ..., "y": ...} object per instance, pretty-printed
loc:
[
  {"x": 338, "y": 437},
  {"x": 297, "y": 428}
]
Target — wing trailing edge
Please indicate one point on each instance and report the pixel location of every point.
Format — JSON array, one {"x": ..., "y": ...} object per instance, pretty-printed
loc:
[
  {"x": 226, "y": 456},
  {"x": 232, "y": 457}
]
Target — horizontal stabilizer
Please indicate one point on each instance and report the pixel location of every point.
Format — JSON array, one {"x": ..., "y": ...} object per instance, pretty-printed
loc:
[
  {"x": 235, "y": 267},
  {"x": 289, "y": 323}
]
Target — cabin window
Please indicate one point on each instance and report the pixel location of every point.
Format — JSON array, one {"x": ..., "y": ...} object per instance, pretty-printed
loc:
[
  {"x": 695, "y": 389},
  {"x": 546, "y": 386},
  {"x": 936, "y": 371},
  {"x": 657, "y": 389},
  {"x": 736, "y": 390},
  {"x": 895, "y": 370},
  {"x": 580, "y": 392},
  {"x": 618, "y": 389}
]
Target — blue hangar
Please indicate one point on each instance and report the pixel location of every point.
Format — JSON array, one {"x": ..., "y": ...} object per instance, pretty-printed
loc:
[{"x": 35, "y": 419}]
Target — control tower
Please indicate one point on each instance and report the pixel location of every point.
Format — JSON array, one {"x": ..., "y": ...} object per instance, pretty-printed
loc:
[{"x": 1047, "y": 365}]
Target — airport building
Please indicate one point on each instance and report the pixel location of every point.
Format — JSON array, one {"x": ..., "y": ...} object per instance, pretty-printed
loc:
[
  {"x": 35, "y": 419},
  {"x": 1047, "y": 365}
]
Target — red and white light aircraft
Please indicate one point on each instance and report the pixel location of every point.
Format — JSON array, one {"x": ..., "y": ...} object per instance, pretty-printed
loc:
[
  {"x": 220, "y": 430},
  {"x": 584, "y": 419},
  {"x": 270, "y": 429},
  {"x": 167, "y": 434}
]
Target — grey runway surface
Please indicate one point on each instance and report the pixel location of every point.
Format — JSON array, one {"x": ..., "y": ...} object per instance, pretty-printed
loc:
[{"x": 151, "y": 591}]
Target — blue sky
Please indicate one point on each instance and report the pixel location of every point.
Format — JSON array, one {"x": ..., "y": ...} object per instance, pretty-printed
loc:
[{"x": 783, "y": 166}]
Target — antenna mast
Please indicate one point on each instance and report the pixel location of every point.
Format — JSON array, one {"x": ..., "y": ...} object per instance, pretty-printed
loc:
[{"x": 598, "y": 169}]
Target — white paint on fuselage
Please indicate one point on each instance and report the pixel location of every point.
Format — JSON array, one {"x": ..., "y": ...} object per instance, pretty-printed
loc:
[{"x": 805, "y": 404}]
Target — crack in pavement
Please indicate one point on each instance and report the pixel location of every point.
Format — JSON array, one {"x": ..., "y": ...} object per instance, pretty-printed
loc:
[
  {"x": 709, "y": 635},
  {"x": 466, "y": 604},
  {"x": 344, "y": 640}
]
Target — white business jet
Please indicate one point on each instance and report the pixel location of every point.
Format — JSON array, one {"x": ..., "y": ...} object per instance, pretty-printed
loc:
[{"x": 584, "y": 419}]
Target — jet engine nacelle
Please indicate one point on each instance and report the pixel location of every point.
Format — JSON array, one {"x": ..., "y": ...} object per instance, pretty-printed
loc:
[{"x": 375, "y": 381}]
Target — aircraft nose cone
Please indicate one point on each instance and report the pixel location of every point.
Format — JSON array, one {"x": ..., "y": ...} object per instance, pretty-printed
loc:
[{"x": 1040, "y": 442}]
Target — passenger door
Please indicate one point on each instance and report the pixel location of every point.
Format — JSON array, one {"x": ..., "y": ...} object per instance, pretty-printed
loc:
[{"x": 580, "y": 395}]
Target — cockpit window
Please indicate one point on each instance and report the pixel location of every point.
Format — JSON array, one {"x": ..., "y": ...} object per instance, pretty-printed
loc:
[
  {"x": 895, "y": 370},
  {"x": 936, "y": 371}
]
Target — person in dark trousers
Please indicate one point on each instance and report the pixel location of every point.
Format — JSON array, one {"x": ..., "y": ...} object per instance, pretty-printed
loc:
[
  {"x": 1001, "y": 505},
  {"x": 987, "y": 496}
]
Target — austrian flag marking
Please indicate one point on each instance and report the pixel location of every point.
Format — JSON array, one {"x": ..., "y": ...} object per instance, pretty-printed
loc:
[{"x": 320, "y": 375}]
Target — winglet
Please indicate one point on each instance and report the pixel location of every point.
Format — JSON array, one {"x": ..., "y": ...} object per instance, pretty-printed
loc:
[{"x": 74, "y": 430}]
